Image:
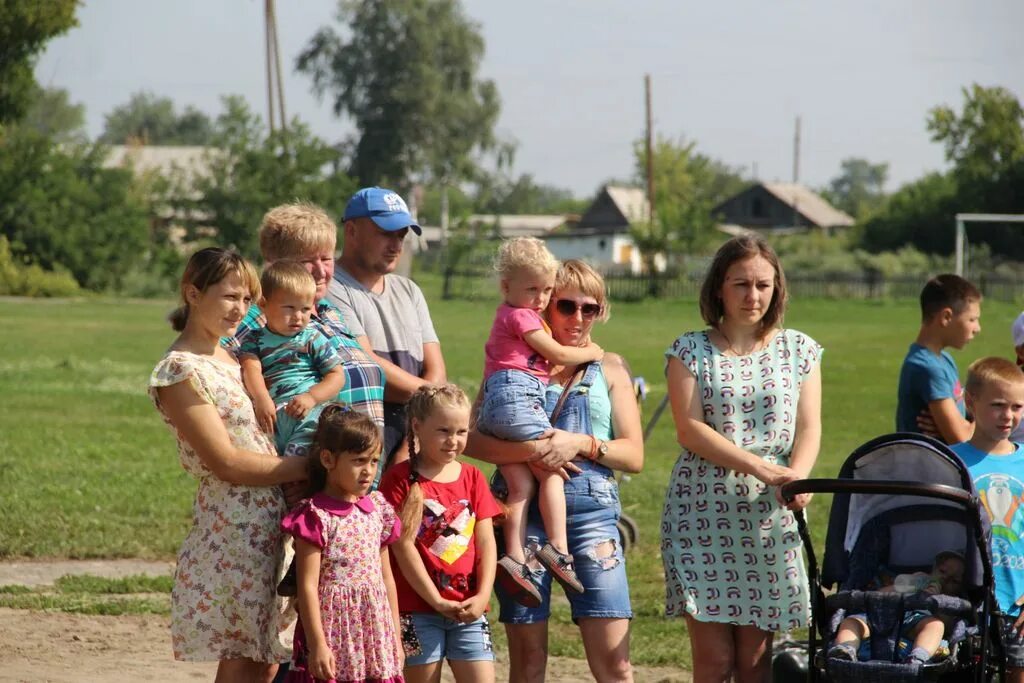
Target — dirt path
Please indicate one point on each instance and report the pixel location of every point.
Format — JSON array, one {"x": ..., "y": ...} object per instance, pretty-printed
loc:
[{"x": 72, "y": 648}]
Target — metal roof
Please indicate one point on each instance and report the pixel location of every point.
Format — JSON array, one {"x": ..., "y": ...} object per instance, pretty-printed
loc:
[{"x": 810, "y": 204}]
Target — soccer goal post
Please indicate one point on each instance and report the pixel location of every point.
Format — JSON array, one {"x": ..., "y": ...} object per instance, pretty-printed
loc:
[{"x": 963, "y": 218}]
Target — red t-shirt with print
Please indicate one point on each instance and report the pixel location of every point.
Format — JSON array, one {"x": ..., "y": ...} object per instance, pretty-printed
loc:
[{"x": 445, "y": 539}]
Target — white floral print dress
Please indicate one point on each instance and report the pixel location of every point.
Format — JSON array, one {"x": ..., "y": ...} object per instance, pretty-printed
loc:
[{"x": 224, "y": 603}]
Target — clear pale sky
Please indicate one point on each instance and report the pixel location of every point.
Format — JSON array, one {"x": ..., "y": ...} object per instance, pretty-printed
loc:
[{"x": 732, "y": 74}]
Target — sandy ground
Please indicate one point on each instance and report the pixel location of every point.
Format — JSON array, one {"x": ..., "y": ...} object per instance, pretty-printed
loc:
[{"x": 54, "y": 646}]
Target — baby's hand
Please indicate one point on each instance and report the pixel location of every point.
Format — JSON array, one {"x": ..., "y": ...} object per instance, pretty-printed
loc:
[
  {"x": 299, "y": 406},
  {"x": 266, "y": 413},
  {"x": 597, "y": 351}
]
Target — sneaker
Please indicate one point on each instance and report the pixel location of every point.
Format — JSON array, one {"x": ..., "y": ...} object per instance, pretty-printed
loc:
[
  {"x": 560, "y": 566},
  {"x": 517, "y": 581},
  {"x": 843, "y": 651},
  {"x": 289, "y": 586}
]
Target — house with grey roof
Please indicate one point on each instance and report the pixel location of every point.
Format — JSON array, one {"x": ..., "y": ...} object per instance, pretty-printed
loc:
[
  {"x": 601, "y": 237},
  {"x": 779, "y": 208}
]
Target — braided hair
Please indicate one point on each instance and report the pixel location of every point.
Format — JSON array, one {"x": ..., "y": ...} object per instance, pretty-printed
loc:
[
  {"x": 421, "y": 406},
  {"x": 339, "y": 430}
]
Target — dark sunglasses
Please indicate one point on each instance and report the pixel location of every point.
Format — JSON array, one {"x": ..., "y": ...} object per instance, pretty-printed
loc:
[{"x": 568, "y": 307}]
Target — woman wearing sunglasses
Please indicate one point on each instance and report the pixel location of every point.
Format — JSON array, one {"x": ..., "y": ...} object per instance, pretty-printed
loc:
[{"x": 597, "y": 430}]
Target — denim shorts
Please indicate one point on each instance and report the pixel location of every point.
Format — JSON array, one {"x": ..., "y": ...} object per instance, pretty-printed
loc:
[
  {"x": 592, "y": 509},
  {"x": 513, "y": 406},
  {"x": 428, "y": 637},
  {"x": 294, "y": 436}
]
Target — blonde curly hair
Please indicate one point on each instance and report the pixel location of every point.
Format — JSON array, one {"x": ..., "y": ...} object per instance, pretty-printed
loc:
[{"x": 521, "y": 253}]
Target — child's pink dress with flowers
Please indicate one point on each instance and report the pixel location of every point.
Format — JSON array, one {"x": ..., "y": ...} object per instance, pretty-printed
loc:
[{"x": 357, "y": 617}]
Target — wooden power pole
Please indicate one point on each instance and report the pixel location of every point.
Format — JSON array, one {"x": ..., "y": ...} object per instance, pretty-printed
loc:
[
  {"x": 650, "y": 150},
  {"x": 273, "y": 51}
]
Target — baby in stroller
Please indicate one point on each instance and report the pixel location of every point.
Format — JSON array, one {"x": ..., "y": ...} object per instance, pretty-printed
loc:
[{"x": 923, "y": 629}]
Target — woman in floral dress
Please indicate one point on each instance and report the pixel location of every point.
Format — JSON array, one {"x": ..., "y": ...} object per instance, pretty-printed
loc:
[
  {"x": 224, "y": 606},
  {"x": 746, "y": 398}
]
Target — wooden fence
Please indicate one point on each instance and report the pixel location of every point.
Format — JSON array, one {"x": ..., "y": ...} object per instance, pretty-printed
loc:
[{"x": 480, "y": 284}]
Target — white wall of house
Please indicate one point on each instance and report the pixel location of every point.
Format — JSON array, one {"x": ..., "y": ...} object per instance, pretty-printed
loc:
[{"x": 602, "y": 251}]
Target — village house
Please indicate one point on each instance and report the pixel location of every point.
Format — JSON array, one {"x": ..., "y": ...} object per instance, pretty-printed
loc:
[
  {"x": 779, "y": 208},
  {"x": 601, "y": 237}
]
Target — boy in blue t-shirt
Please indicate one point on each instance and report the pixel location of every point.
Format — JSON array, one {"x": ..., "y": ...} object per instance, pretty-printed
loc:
[
  {"x": 289, "y": 367},
  {"x": 929, "y": 384},
  {"x": 995, "y": 396}
]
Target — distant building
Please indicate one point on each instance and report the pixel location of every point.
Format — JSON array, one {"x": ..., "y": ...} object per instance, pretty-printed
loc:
[
  {"x": 165, "y": 160},
  {"x": 601, "y": 237},
  {"x": 186, "y": 163},
  {"x": 779, "y": 208}
]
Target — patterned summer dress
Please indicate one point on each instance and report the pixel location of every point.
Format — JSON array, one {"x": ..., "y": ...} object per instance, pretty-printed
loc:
[
  {"x": 224, "y": 603},
  {"x": 731, "y": 552},
  {"x": 354, "y": 608}
]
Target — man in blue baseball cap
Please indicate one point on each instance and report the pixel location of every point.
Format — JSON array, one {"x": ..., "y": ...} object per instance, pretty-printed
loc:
[{"x": 386, "y": 312}]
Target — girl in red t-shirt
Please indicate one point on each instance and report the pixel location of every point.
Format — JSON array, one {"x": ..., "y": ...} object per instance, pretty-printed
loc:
[{"x": 446, "y": 554}]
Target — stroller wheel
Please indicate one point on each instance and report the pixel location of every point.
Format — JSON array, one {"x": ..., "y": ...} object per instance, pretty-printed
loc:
[
  {"x": 789, "y": 666},
  {"x": 628, "y": 532}
]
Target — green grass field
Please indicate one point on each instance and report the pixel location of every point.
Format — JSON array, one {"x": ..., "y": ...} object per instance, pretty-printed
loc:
[{"x": 88, "y": 470}]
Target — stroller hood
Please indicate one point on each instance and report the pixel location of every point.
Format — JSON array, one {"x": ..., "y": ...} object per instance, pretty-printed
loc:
[{"x": 907, "y": 531}]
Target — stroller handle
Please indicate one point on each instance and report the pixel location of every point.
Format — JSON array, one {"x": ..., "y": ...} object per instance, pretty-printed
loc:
[{"x": 882, "y": 486}]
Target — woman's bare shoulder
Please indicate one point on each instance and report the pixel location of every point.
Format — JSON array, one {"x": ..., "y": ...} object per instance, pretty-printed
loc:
[{"x": 614, "y": 364}]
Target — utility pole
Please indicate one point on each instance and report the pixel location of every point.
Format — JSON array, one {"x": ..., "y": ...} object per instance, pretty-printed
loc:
[
  {"x": 796, "y": 170},
  {"x": 273, "y": 52},
  {"x": 650, "y": 150}
]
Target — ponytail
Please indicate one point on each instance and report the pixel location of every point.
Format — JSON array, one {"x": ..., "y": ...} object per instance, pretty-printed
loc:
[
  {"x": 178, "y": 318},
  {"x": 411, "y": 514}
]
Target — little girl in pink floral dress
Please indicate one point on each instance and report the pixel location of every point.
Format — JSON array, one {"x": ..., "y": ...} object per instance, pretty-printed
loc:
[{"x": 348, "y": 609}]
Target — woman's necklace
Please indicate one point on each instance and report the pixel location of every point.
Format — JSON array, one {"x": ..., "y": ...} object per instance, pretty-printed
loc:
[{"x": 758, "y": 344}]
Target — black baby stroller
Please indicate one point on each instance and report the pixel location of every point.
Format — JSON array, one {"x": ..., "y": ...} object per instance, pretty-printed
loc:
[{"x": 899, "y": 501}]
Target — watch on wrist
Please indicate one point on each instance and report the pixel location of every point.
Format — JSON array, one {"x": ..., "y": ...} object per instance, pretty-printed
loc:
[{"x": 602, "y": 450}]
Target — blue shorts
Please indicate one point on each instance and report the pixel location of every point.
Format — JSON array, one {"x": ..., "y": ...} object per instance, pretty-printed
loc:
[
  {"x": 294, "y": 436},
  {"x": 592, "y": 509},
  {"x": 428, "y": 637},
  {"x": 513, "y": 406}
]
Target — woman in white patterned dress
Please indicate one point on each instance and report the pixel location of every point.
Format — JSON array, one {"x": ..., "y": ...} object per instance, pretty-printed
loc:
[
  {"x": 746, "y": 398},
  {"x": 224, "y": 605}
]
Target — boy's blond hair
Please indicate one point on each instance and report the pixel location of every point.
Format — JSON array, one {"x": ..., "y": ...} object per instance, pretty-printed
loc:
[
  {"x": 286, "y": 276},
  {"x": 986, "y": 371},
  {"x": 521, "y": 253},
  {"x": 292, "y": 231}
]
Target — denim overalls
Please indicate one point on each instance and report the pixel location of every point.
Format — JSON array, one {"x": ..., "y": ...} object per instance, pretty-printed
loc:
[{"x": 592, "y": 510}]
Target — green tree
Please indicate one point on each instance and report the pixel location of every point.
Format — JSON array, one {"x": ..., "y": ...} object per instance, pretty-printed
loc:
[
  {"x": 406, "y": 73},
  {"x": 919, "y": 213},
  {"x": 59, "y": 207},
  {"x": 52, "y": 114},
  {"x": 984, "y": 143},
  {"x": 25, "y": 28},
  {"x": 154, "y": 120},
  {"x": 249, "y": 171},
  {"x": 985, "y": 139},
  {"x": 859, "y": 188},
  {"x": 687, "y": 186},
  {"x": 500, "y": 194}
]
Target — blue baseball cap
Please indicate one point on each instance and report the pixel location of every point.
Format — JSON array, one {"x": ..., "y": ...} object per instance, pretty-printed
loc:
[{"x": 383, "y": 207}]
